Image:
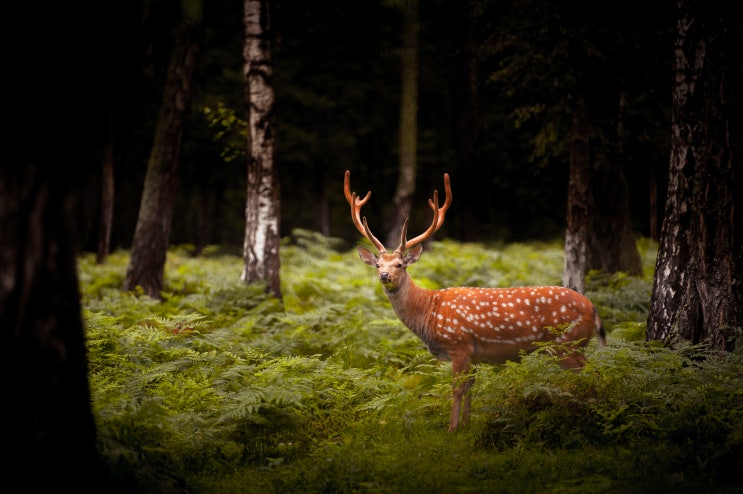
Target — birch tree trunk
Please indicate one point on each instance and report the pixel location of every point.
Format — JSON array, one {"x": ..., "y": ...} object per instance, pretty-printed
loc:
[
  {"x": 262, "y": 207},
  {"x": 698, "y": 287}
]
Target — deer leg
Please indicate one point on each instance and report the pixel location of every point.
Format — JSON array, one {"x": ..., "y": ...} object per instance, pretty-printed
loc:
[
  {"x": 574, "y": 361},
  {"x": 460, "y": 388},
  {"x": 467, "y": 387}
]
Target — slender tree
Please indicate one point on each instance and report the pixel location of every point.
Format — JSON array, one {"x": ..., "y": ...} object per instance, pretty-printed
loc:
[
  {"x": 107, "y": 196},
  {"x": 262, "y": 206},
  {"x": 408, "y": 132},
  {"x": 579, "y": 199},
  {"x": 559, "y": 74},
  {"x": 612, "y": 244},
  {"x": 469, "y": 112},
  {"x": 152, "y": 234},
  {"x": 698, "y": 286}
]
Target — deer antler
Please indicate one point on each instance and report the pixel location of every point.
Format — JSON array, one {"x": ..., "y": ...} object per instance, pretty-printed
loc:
[
  {"x": 438, "y": 218},
  {"x": 356, "y": 205}
]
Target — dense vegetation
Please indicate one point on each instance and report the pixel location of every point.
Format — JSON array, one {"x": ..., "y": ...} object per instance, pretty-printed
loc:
[{"x": 222, "y": 389}]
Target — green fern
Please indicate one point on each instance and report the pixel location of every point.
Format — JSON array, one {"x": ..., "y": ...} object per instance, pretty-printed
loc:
[{"x": 223, "y": 388}]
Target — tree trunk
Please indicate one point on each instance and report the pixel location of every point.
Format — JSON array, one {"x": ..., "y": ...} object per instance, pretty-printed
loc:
[
  {"x": 152, "y": 234},
  {"x": 48, "y": 419},
  {"x": 578, "y": 199},
  {"x": 262, "y": 208},
  {"x": 472, "y": 178},
  {"x": 49, "y": 436},
  {"x": 403, "y": 198},
  {"x": 107, "y": 197},
  {"x": 612, "y": 246},
  {"x": 697, "y": 292}
]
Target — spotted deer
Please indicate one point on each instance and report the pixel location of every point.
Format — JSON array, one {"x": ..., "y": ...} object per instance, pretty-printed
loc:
[{"x": 468, "y": 325}]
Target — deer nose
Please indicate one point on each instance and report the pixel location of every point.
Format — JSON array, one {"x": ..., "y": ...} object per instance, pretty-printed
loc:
[{"x": 384, "y": 276}]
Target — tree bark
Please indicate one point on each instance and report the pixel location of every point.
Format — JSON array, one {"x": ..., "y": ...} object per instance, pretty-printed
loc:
[
  {"x": 612, "y": 245},
  {"x": 403, "y": 198},
  {"x": 107, "y": 197},
  {"x": 48, "y": 420},
  {"x": 152, "y": 233},
  {"x": 262, "y": 207},
  {"x": 49, "y": 435},
  {"x": 697, "y": 292},
  {"x": 472, "y": 177},
  {"x": 578, "y": 199}
]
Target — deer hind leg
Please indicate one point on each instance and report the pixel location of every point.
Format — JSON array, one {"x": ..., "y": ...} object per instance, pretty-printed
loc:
[
  {"x": 573, "y": 361},
  {"x": 461, "y": 384}
]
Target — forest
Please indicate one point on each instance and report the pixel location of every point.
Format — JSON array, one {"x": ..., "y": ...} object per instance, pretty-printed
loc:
[
  {"x": 337, "y": 84},
  {"x": 181, "y": 292}
]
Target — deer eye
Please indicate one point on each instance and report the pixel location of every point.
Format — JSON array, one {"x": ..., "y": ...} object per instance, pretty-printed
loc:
[
  {"x": 399, "y": 264},
  {"x": 376, "y": 265}
]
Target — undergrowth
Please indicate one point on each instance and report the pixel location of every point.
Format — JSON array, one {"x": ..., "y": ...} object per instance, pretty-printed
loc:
[{"x": 220, "y": 388}]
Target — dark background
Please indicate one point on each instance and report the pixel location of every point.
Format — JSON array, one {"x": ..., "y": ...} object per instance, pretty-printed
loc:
[{"x": 337, "y": 80}]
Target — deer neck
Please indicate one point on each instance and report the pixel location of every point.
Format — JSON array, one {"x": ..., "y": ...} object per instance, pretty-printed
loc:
[{"x": 412, "y": 304}]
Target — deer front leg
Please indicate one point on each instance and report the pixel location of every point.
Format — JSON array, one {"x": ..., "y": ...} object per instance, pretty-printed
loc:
[
  {"x": 461, "y": 384},
  {"x": 466, "y": 388}
]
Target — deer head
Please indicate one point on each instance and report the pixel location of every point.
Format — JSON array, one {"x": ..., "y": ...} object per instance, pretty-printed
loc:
[{"x": 391, "y": 266}]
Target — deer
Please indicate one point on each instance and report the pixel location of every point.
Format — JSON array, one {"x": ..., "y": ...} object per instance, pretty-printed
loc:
[{"x": 471, "y": 325}]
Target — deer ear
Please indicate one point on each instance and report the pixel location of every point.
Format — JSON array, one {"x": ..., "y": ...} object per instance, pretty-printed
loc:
[
  {"x": 367, "y": 256},
  {"x": 413, "y": 255}
]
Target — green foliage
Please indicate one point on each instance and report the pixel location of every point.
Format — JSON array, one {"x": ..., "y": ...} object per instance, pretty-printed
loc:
[
  {"x": 230, "y": 131},
  {"x": 220, "y": 388}
]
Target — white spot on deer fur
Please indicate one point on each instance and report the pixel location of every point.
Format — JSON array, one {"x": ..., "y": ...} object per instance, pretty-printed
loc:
[{"x": 563, "y": 308}]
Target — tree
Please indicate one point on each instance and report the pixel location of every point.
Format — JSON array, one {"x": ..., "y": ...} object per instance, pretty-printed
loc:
[
  {"x": 560, "y": 74},
  {"x": 469, "y": 110},
  {"x": 599, "y": 232},
  {"x": 49, "y": 434},
  {"x": 107, "y": 197},
  {"x": 49, "y": 423},
  {"x": 698, "y": 286},
  {"x": 152, "y": 234},
  {"x": 403, "y": 198},
  {"x": 262, "y": 206},
  {"x": 579, "y": 199},
  {"x": 613, "y": 245}
]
